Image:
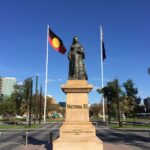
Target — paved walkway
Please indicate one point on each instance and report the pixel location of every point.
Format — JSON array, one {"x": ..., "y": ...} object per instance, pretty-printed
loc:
[{"x": 107, "y": 146}]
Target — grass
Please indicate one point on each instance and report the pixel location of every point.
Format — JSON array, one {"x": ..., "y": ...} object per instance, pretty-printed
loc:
[
  {"x": 55, "y": 119},
  {"x": 17, "y": 126},
  {"x": 7, "y": 126},
  {"x": 137, "y": 120},
  {"x": 145, "y": 125},
  {"x": 127, "y": 119},
  {"x": 142, "y": 126},
  {"x": 96, "y": 119}
]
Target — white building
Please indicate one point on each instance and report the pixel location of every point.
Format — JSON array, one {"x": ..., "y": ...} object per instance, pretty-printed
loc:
[{"x": 7, "y": 85}]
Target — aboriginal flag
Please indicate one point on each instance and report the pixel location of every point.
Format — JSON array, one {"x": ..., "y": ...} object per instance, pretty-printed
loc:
[{"x": 56, "y": 42}]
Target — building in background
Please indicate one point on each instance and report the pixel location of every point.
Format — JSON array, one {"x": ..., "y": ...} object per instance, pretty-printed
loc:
[
  {"x": 62, "y": 104},
  {"x": 7, "y": 85},
  {"x": 51, "y": 100},
  {"x": 147, "y": 104}
]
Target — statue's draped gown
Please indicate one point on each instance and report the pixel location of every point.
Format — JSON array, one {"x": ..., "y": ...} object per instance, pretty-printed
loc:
[{"x": 76, "y": 65}]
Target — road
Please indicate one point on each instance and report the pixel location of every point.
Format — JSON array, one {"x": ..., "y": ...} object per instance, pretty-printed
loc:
[
  {"x": 16, "y": 139},
  {"x": 135, "y": 139}
]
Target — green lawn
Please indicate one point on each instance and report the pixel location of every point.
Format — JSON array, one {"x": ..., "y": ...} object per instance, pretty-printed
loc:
[
  {"x": 127, "y": 119},
  {"x": 137, "y": 120},
  {"x": 130, "y": 120},
  {"x": 130, "y": 126},
  {"x": 6, "y": 126},
  {"x": 55, "y": 119}
]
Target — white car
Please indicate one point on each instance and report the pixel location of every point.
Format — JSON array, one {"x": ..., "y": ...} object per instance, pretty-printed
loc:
[{"x": 19, "y": 117}]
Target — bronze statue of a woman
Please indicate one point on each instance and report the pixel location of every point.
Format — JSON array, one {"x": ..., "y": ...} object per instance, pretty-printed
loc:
[{"x": 76, "y": 64}]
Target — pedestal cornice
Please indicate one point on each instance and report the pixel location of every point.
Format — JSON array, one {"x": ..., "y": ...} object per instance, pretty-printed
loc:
[{"x": 76, "y": 86}]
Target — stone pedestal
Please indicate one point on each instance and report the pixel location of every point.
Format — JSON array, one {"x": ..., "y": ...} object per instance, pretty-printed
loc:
[{"x": 77, "y": 132}]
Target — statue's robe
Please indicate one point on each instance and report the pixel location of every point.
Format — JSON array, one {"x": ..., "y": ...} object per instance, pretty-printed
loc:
[{"x": 76, "y": 65}]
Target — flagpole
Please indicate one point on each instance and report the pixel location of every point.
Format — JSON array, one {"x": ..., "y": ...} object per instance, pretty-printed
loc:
[
  {"x": 46, "y": 73},
  {"x": 102, "y": 71}
]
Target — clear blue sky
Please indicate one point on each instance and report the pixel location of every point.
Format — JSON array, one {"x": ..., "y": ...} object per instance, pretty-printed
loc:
[{"x": 126, "y": 28}]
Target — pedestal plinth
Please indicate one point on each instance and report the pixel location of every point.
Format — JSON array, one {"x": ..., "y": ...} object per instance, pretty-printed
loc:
[{"x": 77, "y": 132}]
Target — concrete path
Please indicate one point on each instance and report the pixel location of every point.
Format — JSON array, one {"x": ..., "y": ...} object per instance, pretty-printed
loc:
[{"x": 107, "y": 146}]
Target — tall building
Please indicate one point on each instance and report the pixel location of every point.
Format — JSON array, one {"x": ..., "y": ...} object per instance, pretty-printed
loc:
[
  {"x": 147, "y": 103},
  {"x": 7, "y": 85}
]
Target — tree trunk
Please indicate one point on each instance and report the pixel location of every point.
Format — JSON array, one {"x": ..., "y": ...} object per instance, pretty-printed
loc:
[
  {"x": 118, "y": 106},
  {"x": 30, "y": 103}
]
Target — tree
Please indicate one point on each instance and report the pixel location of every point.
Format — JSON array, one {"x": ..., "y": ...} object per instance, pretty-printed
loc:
[
  {"x": 96, "y": 109},
  {"x": 17, "y": 97},
  {"x": 53, "y": 107},
  {"x": 40, "y": 105},
  {"x": 30, "y": 100},
  {"x": 26, "y": 95},
  {"x": 109, "y": 93},
  {"x": 7, "y": 108},
  {"x": 131, "y": 96},
  {"x": 112, "y": 92}
]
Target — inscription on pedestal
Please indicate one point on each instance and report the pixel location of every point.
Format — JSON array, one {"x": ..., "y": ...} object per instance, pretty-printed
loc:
[
  {"x": 84, "y": 106},
  {"x": 77, "y": 132}
]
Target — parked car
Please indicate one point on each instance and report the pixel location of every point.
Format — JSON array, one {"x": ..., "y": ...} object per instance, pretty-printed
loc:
[{"x": 19, "y": 117}]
